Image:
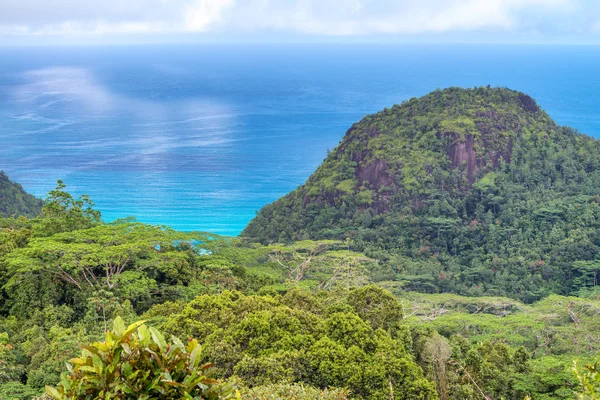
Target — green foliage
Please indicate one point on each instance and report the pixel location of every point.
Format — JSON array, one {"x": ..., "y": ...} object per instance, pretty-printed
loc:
[
  {"x": 17, "y": 391},
  {"x": 298, "y": 337},
  {"x": 131, "y": 259},
  {"x": 554, "y": 326},
  {"x": 10, "y": 370},
  {"x": 475, "y": 191},
  {"x": 376, "y": 306},
  {"x": 294, "y": 391},
  {"x": 15, "y": 201},
  {"x": 63, "y": 213},
  {"x": 136, "y": 362},
  {"x": 329, "y": 318},
  {"x": 589, "y": 381},
  {"x": 549, "y": 378},
  {"x": 589, "y": 276}
]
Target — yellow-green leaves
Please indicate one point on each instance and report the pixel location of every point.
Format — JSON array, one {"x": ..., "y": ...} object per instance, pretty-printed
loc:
[
  {"x": 130, "y": 330},
  {"x": 136, "y": 362},
  {"x": 158, "y": 338},
  {"x": 589, "y": 381},
  {"x": 119, "y": 326},
  {"x": 54, "y": 393}
]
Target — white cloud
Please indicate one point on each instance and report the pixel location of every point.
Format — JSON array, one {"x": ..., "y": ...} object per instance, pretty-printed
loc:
[
  {"x": 312, "y": 17},
  {"x": 202, "y": 14},
  {"x": 363, "y": 17},
  {"x": 99, "y": 28}
]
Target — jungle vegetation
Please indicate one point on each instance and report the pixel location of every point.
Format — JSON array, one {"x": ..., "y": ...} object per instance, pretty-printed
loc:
[
  {"x": 477, "y": 278},
  {"x": 306, "y": 320}
]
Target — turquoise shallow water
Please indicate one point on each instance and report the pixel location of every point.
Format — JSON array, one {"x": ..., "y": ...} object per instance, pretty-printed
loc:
[{"x": 201, "y": 137}]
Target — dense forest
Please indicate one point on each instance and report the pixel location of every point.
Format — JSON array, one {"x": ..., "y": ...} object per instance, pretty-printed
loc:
[{"x": 477, "y": 279}]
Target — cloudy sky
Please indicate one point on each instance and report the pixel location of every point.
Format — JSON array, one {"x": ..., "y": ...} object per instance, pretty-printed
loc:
[{"x": 133, "y": 21}]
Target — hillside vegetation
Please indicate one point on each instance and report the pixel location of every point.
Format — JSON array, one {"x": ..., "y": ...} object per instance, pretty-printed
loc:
[
  {"x": 295, "y": 321},
  {"x": 15, "y": 201},
  {"x": 476, "y": 192}
]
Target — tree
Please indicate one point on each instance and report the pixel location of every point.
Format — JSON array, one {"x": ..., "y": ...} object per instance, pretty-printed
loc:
[
  {"x": 348, "y": 273},
  {"x": 589, "y": 273},
  {"x": 63, "y": 213},
  {"x": 437, "y": 352},
  {"x": 10, "y": 370},
  {"x": 376, "y": 306},
  {"x": 297, "y": 264},
  {"x": 95, "y": 258}
]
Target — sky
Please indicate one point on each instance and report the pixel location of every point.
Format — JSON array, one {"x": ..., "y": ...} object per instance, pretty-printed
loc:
[{"x": 150, "y": 21}]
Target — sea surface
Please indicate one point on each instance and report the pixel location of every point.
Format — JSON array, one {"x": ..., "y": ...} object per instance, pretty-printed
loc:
[{"x": 201, "y": 137}]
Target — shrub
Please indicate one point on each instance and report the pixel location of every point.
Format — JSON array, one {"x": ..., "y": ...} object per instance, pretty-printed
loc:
[
  {"x": 17, "y": 391},
  {"x": 589, "y": 381},
  {"x": 294, "y": 391},
  {"x": 137, "y": 363}
]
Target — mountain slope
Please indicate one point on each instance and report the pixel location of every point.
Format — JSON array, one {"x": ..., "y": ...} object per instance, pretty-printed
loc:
[
  {"x": 467, "y": 190},
  {"x": 15, "y": 201}
]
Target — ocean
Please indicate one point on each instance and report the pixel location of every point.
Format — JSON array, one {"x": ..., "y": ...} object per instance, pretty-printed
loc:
[{"x": 200, "y": 137}]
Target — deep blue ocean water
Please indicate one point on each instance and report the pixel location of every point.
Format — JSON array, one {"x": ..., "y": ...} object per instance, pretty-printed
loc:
[{"x": 201, "y": 137}]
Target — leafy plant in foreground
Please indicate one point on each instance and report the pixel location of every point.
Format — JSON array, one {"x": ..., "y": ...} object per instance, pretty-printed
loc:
[
  {"x": 137, "y": 363},
  {"x": 589, "y": 381}
]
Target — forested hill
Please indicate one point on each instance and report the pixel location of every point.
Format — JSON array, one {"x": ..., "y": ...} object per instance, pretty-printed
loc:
[
  {"x": 15, "y": 201},
  {"x": 474, "y": 191}
]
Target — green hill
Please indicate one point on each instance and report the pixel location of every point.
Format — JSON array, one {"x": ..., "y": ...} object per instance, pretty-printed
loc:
[
  {"x": 473, "y": 191},
  {"x": 14, "y": 200}
]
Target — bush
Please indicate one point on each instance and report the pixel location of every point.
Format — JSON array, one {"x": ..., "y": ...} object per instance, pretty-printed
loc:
[
  {"x": 137, "y": 363},
  {"x": 17, "y": 391},
  {"x": 294, "y": 392}
]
